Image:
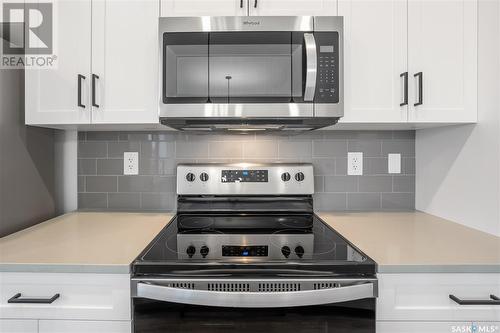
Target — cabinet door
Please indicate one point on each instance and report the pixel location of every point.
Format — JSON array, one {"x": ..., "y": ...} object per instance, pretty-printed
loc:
[
  {"x": 443, "y": 46},
  {"x": 59, "y": 326},
  {"x": 125, "y": 61},
  {"x": 375, "y": 35},
  {"x": 18, "y": 326},
  {"x": 292, "y": 7},
  {"x": 52, "y": 94},
  {"x": 426, "y": 297},
  {"x": 204, "y": 7}
]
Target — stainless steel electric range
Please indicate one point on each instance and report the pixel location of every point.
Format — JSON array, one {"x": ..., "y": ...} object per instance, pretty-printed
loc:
[{"x": 246, "y": 253}]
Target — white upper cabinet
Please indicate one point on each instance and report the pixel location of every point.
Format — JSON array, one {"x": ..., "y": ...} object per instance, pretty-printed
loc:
[
  {"x": 375, "y": 61},
  {"x": 204, "y": 8},
  {"x": 61, "y": 95},
  {"x": 124, "y": 61},
  {"x": 443, "y": 47},
  {"x": 292, "y": 7}
]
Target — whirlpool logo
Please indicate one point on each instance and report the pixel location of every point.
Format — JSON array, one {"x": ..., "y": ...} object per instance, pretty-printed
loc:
[
  {"x": 252, "y": 23},
  {"x": 474, "y": 328}
]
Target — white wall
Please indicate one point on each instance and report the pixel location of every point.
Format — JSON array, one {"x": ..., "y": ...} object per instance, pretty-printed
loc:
[
  {"x": 66, "y": 169},
  {"x": 458, "y": 168}
]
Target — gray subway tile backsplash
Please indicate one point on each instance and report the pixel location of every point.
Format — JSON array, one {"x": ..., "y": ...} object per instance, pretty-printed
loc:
[
  {"x": 99, "y": 184},
  {"x": 375, "y": 184},
  {"x": 124, "y": 201},
  {"x": 102, "y": 185},
  {"x": 363, "y": 201}
]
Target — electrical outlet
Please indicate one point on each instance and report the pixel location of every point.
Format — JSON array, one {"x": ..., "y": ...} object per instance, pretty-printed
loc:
[
  {"x": 394, "y": 163},
  {"x": 355, "y": 164},
  {"x": 131, "y": 163}
]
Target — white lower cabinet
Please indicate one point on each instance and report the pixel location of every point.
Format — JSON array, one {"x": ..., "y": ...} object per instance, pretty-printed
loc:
[
  {"x": 99, "y": 297},
  {"x": 437, "y": 327},
  {"x": 411, "y": 303},
  {"x": 426, "y": 297},
  {"x": 18, "y": 326},
  {"x": 61, "y": 326}
]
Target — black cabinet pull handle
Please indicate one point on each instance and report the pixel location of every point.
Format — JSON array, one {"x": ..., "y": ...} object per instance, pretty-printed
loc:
[
  {"x": 94, "y": 82},
  {"x": 241, "y": 3},
  {"x": 255, "y": 4},
  {"x": 80, "y": 87},
  {"x": 420, "y": 76},
  {"x": 405, "y": 88},
  {"x": 17, "y": 299},
  {"x": 494, "y": 300}
]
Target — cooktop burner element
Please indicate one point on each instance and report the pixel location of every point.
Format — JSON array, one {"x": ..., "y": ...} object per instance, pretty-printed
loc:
[{"x": 249, "y": 220}]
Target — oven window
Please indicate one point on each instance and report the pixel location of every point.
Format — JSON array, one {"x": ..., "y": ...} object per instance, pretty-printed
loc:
[{"x": 349, "y": 317}]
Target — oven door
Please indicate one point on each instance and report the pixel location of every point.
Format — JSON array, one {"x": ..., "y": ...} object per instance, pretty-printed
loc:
[{"x": 239, "y": 305}]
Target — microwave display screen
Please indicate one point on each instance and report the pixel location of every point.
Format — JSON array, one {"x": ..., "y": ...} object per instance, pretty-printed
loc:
[{"x": 326, "y": 49}]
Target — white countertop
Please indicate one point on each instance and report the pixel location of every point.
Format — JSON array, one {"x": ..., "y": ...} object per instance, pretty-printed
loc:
[
  {"x": 109, "y": 242},
  {"x": 82, "y": 242},
  {"x": 418, "y": 242}
]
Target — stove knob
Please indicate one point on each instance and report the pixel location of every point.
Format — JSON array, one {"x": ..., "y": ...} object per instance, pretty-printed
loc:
[
  {"x": 299, "y": 251},
  {"x": 285, "y": 176},
  {"x": 204, "y": 251},
  {"x": 285, "y": 250},
  {"x": 190, "y": 177},
  {"x": 204, "y": 177},
  {"x": 191, "y": 250},
  {"x": 299, "y": 176}
]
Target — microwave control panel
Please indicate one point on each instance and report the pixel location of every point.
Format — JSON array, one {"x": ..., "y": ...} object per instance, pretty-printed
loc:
[{"x": 327, "y": 80}]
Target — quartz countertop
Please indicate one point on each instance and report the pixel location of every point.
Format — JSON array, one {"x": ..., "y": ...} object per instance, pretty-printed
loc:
[
  {"x": 415, "y": 242},
  {"x": 108, "y": 242},
  {"x": 93, "y": 242}
]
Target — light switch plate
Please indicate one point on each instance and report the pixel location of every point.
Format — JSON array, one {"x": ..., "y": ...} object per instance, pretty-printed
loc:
[
  {"x": 130, "y": 163},
  {"x": 355, "y": 164},
  {"x": 394, "y": 163}
]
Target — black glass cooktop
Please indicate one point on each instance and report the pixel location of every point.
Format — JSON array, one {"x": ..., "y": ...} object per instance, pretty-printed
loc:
[{"x": 328, "y": 254}]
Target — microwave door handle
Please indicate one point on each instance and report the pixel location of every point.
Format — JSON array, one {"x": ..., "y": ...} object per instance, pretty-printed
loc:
[
  {"x": 255, "y": 299},
  {"x": 311, "y": 67}
]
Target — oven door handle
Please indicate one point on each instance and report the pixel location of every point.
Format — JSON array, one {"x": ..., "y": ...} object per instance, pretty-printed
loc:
[
  {"x": 311, "y": 67},
  {"x": 255, "y": 299}
]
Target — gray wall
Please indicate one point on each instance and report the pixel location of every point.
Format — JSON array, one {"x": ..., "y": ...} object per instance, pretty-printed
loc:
[
  {"x": 26, "y": 161},
  {"x": 101, "y": 184}
]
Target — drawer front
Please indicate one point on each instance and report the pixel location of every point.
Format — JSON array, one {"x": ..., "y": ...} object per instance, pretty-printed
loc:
[
  {"x": 425, "y": 297},
  {"x": 18, "y": 326},
  {"x": 62, "y": 326},
  {"x": 437, "y": 327},
  {"x": 81, "y": 296}
]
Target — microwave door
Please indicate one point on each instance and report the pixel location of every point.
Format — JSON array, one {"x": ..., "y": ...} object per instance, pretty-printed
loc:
[{"x": 250, "y": 67}]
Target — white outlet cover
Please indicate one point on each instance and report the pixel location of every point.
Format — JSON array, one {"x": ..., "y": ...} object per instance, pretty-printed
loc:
[
  {"x": 130, "y": 163},
  {"x": 394, "y": 163},
  {"x": 355, "y": 164}
]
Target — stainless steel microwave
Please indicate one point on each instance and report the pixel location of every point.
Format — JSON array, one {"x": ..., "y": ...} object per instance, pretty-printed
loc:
[{"x": 251, "y": 73}]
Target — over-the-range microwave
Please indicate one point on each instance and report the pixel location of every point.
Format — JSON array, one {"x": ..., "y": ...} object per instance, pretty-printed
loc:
[{"x": 251, "y": 73}]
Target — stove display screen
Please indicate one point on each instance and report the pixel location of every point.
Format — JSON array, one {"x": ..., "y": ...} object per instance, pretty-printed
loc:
[
  {"x": 244, "y": 251},
  {"x": 245, "y": 176}
]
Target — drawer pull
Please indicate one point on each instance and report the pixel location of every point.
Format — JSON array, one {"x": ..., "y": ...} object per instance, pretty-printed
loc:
[
  {"x": 17, "y": 299},
  {"x": 494, "y": 300}
]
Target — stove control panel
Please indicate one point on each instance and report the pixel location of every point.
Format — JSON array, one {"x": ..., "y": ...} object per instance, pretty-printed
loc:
[
  {"x": 245, "y": 251},
  {"x": 220, "y": 246},
  {"x": 245, "y": 176},
  {"x": 245, "y": 179}
]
